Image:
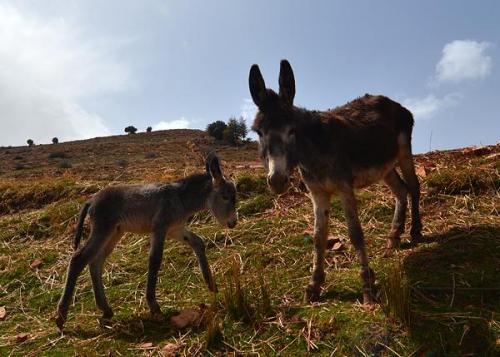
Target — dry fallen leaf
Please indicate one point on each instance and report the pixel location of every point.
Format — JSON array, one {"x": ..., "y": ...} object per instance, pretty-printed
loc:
[
  {"x": 146, "y": 345},
  {"x": 3, "y": 313},
  {"x": 37, "y": 263},
  {"x": 21, "y": 337},
  {"x": 169, "y": 350},
  {"x": 330, "y": 243},
  {"x": 338, "y": 247},
  {"x": 421, "y": 171},
  {"x": 187, "y": 317}
]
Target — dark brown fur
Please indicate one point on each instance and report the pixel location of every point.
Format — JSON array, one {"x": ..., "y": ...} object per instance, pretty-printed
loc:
[{"x": 336, "y": 151}]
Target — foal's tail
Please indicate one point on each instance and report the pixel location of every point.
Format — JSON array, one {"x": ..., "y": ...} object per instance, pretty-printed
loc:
[{"x": 79, "y": 226}]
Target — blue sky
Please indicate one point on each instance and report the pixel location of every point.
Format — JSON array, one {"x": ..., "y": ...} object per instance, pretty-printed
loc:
[{"x": 78, "y": 69}]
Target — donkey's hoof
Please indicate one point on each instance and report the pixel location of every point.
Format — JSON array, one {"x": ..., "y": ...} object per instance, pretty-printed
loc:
[
  {"x": 107, "y": 315},
  {"x": 60, "y": 320},
  {"x": 157, "y": 317},
  {"x": 312, "y": 294},
  {"x": 416, "y": 238}
]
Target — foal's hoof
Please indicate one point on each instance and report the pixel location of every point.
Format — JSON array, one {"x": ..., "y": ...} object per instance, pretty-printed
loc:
[{"x": 312, "y": 294}]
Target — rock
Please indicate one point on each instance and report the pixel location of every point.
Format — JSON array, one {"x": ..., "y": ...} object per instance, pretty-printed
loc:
[
  {"x": 169, "y": 350},
  {"x": 37, "y": 263},
  {"x": 187, "y": 317},
  {"x": 22, "y": 336},
  {"x": 3, "y": 313}
]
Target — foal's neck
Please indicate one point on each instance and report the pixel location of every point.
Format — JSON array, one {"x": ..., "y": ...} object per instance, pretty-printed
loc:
[{"x": 194, "y": 191}]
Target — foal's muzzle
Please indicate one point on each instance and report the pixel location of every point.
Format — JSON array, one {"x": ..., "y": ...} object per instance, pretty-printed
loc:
[{"x": 278, "y": 183}]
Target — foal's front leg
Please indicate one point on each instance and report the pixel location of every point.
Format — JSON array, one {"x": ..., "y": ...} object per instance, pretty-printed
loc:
[
  {"x": 321, "y": 203},
  {"x": 196, "y": 243},
  {"x": 155, "y": 258}
]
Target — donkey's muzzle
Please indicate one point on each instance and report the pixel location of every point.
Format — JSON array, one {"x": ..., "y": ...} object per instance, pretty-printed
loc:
[{"x": 278, "y": 183}]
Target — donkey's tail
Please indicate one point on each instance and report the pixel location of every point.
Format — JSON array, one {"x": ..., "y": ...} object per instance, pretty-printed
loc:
[{"x": 79, "y": 226}]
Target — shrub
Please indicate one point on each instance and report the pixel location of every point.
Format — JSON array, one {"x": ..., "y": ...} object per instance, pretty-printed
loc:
[
  {"x": 149, "y": 129},
  {"x": 131, "y": 129},
  {"x": 249, "y": 185},
  {"x": 255, "y": 204},
  {"x": 216, "y": 129},
  {"x": 57, "y": 155},
  {"x": 55, "y": 140},
  {"x": 30, "y": 142},
  {"x": 122, "y": 163},
  {"x": 459, "y": 182},
  {"x": 235, "y": 131},
  {"x": 65, "y": 164}
]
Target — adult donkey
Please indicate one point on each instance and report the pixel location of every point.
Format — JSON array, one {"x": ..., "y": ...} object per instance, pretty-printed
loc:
[{"x": 336, "y": 152}]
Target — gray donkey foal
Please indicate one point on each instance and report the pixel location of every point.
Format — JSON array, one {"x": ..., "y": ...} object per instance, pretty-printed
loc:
[{"x": 160, "y": 209}]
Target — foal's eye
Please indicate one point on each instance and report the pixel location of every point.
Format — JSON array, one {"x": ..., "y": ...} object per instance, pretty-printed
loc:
[
  {"x": 225, "y": 197},
  {"x": 259, "y": 133}
]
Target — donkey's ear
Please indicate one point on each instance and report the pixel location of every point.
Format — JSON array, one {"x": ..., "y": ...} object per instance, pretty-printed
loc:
[
  {"x": 287, "y": 82},
  {"x": 213, "y": 167},
  {"x": 257, "y": 86}
]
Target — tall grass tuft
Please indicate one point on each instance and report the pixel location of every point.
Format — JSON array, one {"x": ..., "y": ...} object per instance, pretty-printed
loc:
[
  {"x": 235, "y": 297},
  {"x": 397, "y": 294},
  {"x": 213, "y": 336}
]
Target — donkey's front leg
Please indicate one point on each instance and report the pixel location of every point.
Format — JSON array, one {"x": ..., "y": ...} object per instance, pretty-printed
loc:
[
  {"x": 357, "y": 239},
  {"x": 196, "y": 243},
  {"x": 321, "y": 203},
  {"x": 155, "y": 258}
]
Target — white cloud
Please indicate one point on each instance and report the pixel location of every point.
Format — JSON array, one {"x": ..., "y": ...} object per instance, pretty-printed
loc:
[
  {"x": 462, "y": 60},
  {"x": 47, "y": 70},
  {"x": 429, "y": 106},
  {"x": 181, "y": 123}
]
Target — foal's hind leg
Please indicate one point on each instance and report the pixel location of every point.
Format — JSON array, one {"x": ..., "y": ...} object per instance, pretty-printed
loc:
[
  {"x": 398, "y": 188},
  {"x": 408, "y": 170},
  {"x": 96, "y": 267},
  {"x": 78, "y": 262}
]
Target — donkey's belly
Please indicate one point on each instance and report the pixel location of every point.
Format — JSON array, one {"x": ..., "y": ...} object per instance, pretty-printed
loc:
[
  {"x": 136, "y": 224},
  {"x": 368, "y": 176}
]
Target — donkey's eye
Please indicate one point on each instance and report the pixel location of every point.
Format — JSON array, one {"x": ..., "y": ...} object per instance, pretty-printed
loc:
[
  {"x": 225, "y": 197},
  {"x": 259, "y": 133}
]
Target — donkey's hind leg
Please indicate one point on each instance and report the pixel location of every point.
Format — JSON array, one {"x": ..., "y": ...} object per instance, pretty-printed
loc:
[
  {"x": 78, "y": 262},
  {"x": 96, "y": 267},
  {"x": 398, "y": 188},
  {"x": 408, "y": 170},
  {"x": 357, "y": 238}
]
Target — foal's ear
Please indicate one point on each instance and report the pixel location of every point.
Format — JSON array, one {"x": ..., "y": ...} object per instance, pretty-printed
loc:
[
  {"x": 257, "y": 86},
  {"x": 213, "y": 167},
  {"x": 287, "y": 82}
]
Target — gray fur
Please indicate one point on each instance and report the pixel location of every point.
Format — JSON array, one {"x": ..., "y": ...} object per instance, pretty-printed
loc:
[{"x": 160, "y": 209}]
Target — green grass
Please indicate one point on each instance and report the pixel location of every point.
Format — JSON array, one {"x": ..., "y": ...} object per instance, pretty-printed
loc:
[{"x": 440, "y": 298}]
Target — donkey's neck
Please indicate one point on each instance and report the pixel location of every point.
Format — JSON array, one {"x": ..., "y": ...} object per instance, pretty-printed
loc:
[{"x": 194, "y": 191}]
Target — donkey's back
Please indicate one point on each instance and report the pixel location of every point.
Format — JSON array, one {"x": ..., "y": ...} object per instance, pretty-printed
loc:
[{"x": 370, "y": 131}]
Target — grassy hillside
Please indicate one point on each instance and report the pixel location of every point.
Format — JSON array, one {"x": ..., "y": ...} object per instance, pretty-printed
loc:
[{"x": 440, "y": 298}]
